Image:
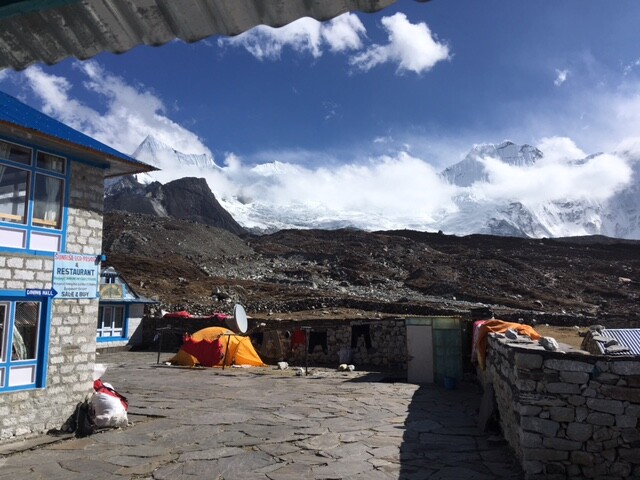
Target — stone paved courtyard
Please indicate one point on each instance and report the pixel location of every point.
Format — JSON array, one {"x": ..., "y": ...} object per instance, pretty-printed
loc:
[{"x": 267, "y": 424}]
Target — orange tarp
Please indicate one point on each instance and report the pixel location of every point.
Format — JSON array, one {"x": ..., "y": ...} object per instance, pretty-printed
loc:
[
  {"x": 499, "y": 326},
  {"x": 237, "y": 349}
]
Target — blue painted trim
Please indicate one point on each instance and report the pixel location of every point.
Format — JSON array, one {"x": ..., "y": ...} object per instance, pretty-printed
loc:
[
  {"x": 125, "y": 323},
  {"x": 41, "y": 362},
  {"x": 43, "y": 347},
  {"x": 38, "y": 253},
  {"x": 34, "y": 170}
]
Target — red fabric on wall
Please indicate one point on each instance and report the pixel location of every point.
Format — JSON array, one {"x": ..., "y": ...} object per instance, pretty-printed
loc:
[{"x": 298, "y": 338}]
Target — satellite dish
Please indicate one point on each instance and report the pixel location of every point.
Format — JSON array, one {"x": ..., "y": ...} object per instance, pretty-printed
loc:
[{"x": 238, "y": 323}]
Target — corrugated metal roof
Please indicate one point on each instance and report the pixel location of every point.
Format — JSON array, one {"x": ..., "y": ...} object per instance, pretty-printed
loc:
[
  {"x": 50, "y": 30},
  {"x": 627, "y": 337},
  {"x": 14, "y": 113}
]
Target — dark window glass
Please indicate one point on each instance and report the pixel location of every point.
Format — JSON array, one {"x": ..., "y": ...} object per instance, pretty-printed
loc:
[
  {"x": 51, "y": 162},
  {"x": 14, "y": 192},
  {"x": 15, "y": 153},
  {"x": 25, "y": 331}
]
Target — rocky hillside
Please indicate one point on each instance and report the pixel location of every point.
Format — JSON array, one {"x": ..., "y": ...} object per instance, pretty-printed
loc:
[
  {"x": 582, "y": 280},
  {"x": 185, "y": 199}
]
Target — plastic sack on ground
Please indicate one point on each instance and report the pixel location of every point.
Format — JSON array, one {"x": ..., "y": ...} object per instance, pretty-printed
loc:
[{"x": 109, "y": 407}]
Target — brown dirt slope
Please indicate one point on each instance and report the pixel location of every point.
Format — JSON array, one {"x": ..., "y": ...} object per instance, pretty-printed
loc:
[{"x": 188, "y": 264}]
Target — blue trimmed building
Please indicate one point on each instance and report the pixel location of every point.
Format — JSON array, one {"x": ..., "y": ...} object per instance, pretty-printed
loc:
[
  {"x": 51, "y": 204},
  {"x": 120, "y": 313}
]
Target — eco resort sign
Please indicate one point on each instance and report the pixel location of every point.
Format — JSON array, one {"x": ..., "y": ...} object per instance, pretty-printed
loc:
[{"x": 75, "y": 276}]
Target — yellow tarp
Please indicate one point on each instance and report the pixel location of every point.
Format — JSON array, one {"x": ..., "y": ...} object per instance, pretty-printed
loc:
[{"x": 238, "y": 350}]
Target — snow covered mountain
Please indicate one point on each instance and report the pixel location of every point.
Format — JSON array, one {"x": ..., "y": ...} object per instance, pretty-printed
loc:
[
  {"x": 618, "y": 216},
  {"x": 154, "y": 152},
  {"x": 246, "y": 193},
  {"x": 470, "y": 170}
]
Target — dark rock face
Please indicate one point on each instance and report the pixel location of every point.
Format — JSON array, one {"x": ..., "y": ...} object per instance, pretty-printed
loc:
[{"x": 185, "y": 199}]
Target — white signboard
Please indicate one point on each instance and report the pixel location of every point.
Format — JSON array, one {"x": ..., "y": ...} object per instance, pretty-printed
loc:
[{"x": 75, "y": 276}]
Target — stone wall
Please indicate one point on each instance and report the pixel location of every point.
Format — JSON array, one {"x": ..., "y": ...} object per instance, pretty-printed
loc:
[
  {"x": 73, "y": 322},
  {"x": 388, "y": 346},
  {"x": 568, "y": 415},
  {"x": 274, "y": 342}
]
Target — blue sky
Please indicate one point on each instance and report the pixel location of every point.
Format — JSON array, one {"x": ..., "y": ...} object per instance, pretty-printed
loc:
[{"x": 426, "y": 81}]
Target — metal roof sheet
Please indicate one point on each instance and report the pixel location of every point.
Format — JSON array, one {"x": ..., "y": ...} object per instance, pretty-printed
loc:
[
  {"x": 14, "y": 113},
  {"x": 627, "y": 337},
  {"x": 50, "y": 30}
]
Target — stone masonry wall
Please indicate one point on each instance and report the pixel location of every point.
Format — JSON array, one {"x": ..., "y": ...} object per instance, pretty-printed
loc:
[
  {"x": 73, "y": 322},
  {"x": 568, "y": 415},
  {"x": 388, "y": 346}
]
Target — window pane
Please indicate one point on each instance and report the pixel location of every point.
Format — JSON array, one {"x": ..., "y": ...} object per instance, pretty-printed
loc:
[
  {"x": 51, "y": 162},
  {"x": 100, "y": 312},
  {"x": 15, "y": 153},
  {"x": 3, "y": 322},
  {"x": 47, "y": 205},
  {"x": 119, "y": 317},
  {"x": 14, "y": 188},
  {"x": 25, "y": 331}
]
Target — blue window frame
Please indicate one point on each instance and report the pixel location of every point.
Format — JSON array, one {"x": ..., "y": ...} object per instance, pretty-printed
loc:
[
  {"x": 24, "y": 334},
  {"x": 34, "y": 196},
  {"x": 112, "y": 322}
]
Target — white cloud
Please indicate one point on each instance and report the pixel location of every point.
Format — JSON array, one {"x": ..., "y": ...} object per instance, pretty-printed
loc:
[
  {"x": 630, "y": 67},
  {"x": 596, "y": 179},
  {"x": 559, "y": 150},
  {"x": 411, "y": 46},
  {"x": 394, "y": 187},
  {"x": 344, "y": 33},
  {"x": 561, "y": 77},
  {"x": 130, "y": 112},
  {"x": 306, "y": 35}
]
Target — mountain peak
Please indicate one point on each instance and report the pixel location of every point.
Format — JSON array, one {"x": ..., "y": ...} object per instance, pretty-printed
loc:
[
  {"x": 471, "y": 170},
  {"x": 158, "y": 153}
]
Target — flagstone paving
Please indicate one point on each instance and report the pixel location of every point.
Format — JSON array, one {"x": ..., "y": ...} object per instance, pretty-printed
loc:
[{"x": 267, "y": 424}]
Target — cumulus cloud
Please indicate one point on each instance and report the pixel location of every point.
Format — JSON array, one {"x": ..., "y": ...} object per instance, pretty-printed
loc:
[
  {"x": 412, "y": 47},
  {"x": 596, "y": 178},
  {"x": 561, "y": 77},
  {"x": 305, "y": 35},
  {"x": 129, "y": 113},
  {"x": 559, "y": 150},
  {"x": 395, "y": 190}
]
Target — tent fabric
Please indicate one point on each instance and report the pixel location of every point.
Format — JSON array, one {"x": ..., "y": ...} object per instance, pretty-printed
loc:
[
  {"x": 208, "y": 353},
  {"x": 237, "y": 350},
  {"x": 499, "y": 326}
]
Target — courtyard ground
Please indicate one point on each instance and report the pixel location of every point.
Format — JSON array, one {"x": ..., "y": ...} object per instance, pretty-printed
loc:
[{"x": 268, "y": 424}]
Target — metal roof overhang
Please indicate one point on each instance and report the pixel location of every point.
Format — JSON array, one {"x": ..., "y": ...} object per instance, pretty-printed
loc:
[{"x": 49, "y": 31}]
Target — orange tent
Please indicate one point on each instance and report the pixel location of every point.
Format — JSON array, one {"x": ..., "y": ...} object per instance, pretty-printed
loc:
[{"x": 237, "y": 349}]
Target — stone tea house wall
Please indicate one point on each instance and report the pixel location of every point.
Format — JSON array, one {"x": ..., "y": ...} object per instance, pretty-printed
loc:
[
  {"x": 568, "y": 415},
  {"x": 51, "y": 198}
]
